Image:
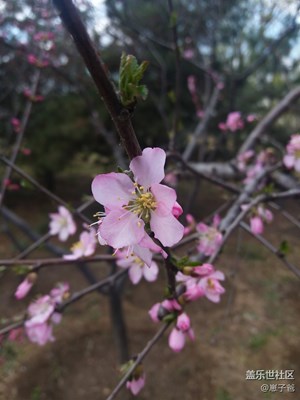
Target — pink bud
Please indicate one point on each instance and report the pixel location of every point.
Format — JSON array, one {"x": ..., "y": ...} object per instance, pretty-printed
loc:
[
  {"x": 257, "y": 226},
  {"x": 153, "y": 312},
  {"x": 177, "y": 210},
  {"x": 176, "y": 340},
  {"x": 183, "y": 322}
]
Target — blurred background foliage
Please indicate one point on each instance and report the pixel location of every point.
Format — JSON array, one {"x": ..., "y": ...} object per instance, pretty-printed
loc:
[{"x": 249, "y": 46}]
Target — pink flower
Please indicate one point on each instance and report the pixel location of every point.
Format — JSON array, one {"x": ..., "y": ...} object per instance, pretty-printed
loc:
[
  {"x": 135, "y": 385},
  {"x": 251, "y": 117},
  {"x": 292, "y": 158},
  {"x": 16, "y": 123},
  {"x": 40, "y": 333},
  {"x": 11, "y": 185},
  {"x": 260, "y": 216},
  {"x": 40, "y": 311},
  {"x": 188, "y": 54},
  {"x": 234, "y": 121},
  {"x": 137, "y": 267},
  {"x": 179, "y": 333},
  {"x": 43, "y": 36},
  {"x": 192, "y": 289},
  {"x": 222, "y": 126},
  {"x": 256, "y": 224},
  {"x": 85, "y": 247},
  {"x": 25, "y": 286},
  {"x": 60, "y": 292},
  {"x": 32, "y": 59},
  {"x": 62, "y": 223},
  {"x": 210, "y": 238},
  {"x": 212, "y": 287},
  {"x": 132, "y": 206}
]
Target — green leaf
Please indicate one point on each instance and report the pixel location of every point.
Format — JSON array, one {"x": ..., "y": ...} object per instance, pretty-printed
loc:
[
  {"x": 284, "y": 248},
  {"x": 130, "y": 75}
]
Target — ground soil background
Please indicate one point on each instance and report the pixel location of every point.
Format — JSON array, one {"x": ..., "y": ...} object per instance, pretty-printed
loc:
[{"x": 255, "y": 327}]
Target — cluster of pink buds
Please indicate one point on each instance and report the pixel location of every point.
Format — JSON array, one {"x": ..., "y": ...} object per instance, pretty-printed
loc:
[
  {"x": 259, "y": 216},
  {"x": 10, "y": 185}
]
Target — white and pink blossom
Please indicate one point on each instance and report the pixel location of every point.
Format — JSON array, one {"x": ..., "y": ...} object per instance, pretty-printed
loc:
[
  {"x": 210, "y": 238},
  {"x": 137, "y": 268},
  {"x": 132, "y": 207},
  {"x": 292, "y": 158},
  {"x": 62, "y": 224},
  {"x": 85, "y": 247}
]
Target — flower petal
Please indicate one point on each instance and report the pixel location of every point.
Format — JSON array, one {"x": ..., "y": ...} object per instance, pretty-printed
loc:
[
  {"x": 165, "y": 198},
  {"x": 112, "y": 190},
  {"x": 149, "y": 167},
  {"x": 135, "y": 273},
  {"x": 168, "y": 230},
  {"x": 121, "y": 228},
  {"x": 150, "y": 273}
]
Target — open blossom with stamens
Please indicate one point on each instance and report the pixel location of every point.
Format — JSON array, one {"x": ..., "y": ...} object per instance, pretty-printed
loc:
[
  {"x": 137, "y": 267},
  {"x": 210, "y": 238},
  {"x": 62, "y": 224},
  {"x": 85, "y": 247},
  {"x": 212, "y": 287},
  {"x": 135, "y": 207},
  {"x": 179, "y": 333},
  {"x": 292, "y": 158}
]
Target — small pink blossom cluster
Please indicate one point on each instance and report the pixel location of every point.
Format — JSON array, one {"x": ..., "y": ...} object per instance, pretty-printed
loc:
[
  {"x": 200, "y": 281},
  {"x": 41, "y": 315},
  {"x": 182, "y": 328},
  {"x": 39, "y": 63},
  {"x": 292, "y": 158},
  {"x": 264, "y": 158},
  {"x": 233, "y": 123},
  {"x": 62, "y": 224},
  {"x": 210, "y": 238},
  {"x": 259, "y": 217},
  {"x": 16, "y": 124},
  {"x": 135, "y": 207},
  {"x": 137, "y": 268},
  {"x": 85, "y": 247}
]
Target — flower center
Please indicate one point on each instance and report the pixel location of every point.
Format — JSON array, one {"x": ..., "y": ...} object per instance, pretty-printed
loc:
[{"x": 142, "y": 204}]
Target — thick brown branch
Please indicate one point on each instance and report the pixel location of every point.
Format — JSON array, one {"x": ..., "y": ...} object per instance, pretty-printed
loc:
[{"x": 121, "y": 116}]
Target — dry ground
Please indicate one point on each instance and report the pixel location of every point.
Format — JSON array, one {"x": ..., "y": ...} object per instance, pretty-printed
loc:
[{"x": 255, "y": 327}]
